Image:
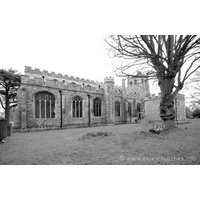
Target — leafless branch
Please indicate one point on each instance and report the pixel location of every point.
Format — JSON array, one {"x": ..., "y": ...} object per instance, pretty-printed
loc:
[{"x": 2, "y": 104}]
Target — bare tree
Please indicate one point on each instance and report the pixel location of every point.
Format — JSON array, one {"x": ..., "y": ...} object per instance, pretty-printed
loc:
[
  {"x": 10, "y": 82},
  {"x": 171, "y": 59}
]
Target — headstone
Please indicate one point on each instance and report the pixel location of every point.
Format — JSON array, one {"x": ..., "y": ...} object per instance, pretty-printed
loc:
[{"x": 145, "y": 125}]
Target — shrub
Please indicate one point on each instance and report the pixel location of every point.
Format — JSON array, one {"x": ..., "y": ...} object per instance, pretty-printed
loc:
[
  {"x": 157, "y": 129},
  {"x": 96, "y": 134}
]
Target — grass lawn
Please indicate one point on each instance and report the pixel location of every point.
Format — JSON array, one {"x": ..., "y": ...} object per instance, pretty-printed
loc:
[{"x": 126, "y": 145}]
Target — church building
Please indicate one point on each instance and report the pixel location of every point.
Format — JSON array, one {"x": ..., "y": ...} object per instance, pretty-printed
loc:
[{"x": 47, "y": 100}]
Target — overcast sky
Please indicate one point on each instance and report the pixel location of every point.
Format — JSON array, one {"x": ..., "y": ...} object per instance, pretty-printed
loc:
[
  {"x": 62, "y": 37},
  {"x": 47, "y": 35}
]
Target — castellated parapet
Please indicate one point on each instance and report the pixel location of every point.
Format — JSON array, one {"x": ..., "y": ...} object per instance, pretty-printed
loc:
[
  {"x": 54, "y": 83},
  {"x": 180, "y": 96},
  {"x": 109, "y": 79},
  {"x": 153, "y": 96},
  {"x": 52, "y": 75}
]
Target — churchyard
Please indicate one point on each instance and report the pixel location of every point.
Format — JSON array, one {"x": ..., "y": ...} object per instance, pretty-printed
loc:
[{"x": 104, "y": 145}]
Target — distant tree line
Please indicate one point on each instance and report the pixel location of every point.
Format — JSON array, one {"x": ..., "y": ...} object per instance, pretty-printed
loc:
[{"x": 195, "y": 113}]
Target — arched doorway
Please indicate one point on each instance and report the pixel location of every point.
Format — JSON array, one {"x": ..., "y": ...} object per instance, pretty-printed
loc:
[{"x": 139, "y": 110}]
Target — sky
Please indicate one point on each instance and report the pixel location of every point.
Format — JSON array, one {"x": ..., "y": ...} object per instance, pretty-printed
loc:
[
  {"x": 60, "y": 37},
  {"x": 43, "y": 35}
]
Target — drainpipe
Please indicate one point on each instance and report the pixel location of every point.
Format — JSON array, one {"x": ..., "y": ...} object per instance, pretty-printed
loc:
[
  {"x": 88, "y": 110},
  {"x": 61, "y": 121},
  {"x": 176, "y": 110}
]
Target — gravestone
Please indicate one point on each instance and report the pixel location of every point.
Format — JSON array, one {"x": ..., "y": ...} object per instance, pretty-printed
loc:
[{"x": 144, "y": 124}]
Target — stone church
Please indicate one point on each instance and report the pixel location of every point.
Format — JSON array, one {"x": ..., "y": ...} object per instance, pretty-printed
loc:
[{"x": 47, "y": 100}]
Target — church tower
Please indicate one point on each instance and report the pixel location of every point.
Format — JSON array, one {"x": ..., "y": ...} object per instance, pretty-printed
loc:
[{"x": 139, "y": 85}]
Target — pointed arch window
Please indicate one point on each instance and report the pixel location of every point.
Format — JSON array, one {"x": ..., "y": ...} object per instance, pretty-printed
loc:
[
  {"x": 44, "y": 105},
  {"x": 97, "y": 107},
  {"x": 77, "y": 107},
  {"x": 117, "y": 108}
]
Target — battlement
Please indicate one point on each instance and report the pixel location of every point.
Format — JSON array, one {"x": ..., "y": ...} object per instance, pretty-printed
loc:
[
  {"x": 153, "y": 96},
  {"x": 38, "y": 73},
  {"x": 180, "y": 96},
  {"x": 118, "y": 87},
  {"x": 109, "y": 79},
  {"x": 54, "y": 83},
  {"x": 135, "y": 96}
]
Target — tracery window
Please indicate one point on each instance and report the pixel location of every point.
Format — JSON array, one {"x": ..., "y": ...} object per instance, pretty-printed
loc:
[
  {"x": 129, "y": 108},
  {"x": 44, "y": 105},
  {"x": 97, "y": 107},
  {"x": 117, "y": 108},
  {"x": 77, "y": 107}
]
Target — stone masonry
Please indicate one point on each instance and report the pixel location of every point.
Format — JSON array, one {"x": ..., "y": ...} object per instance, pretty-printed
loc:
[
  {"x": 65, "y": 88},
  {"x": 152, "y": 107}
]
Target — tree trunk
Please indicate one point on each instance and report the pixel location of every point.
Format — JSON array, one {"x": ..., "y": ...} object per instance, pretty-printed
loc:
[
  {"x": 167, "y": 111},
  {"x": 7, "y": 108}
]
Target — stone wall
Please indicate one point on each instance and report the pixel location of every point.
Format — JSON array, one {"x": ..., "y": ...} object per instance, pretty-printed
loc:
[
  {"x": 152, "y": 109},
  {"x": 180, "y": 107},
  {"x": 24, "y": 116},
  {"x": 35, "y": 81},
  {"x": 152, "y": 105},
  {"x": 109, "y": 96}
]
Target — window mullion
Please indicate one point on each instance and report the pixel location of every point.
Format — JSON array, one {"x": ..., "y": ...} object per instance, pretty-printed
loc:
[
  {"x": 94, "y": 108},
  {"x": 98, "y": 109},
  {"x": 45, "y": 109},
  {"x": 40, "y": 108},
  {"x": 75, "y": 109},
  {"x": 79, "y": 105},
  {"x": 50, "y": 108}
]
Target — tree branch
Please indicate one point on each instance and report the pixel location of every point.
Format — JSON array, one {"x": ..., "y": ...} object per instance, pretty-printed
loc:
[{"x": 1, "y": 102}]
